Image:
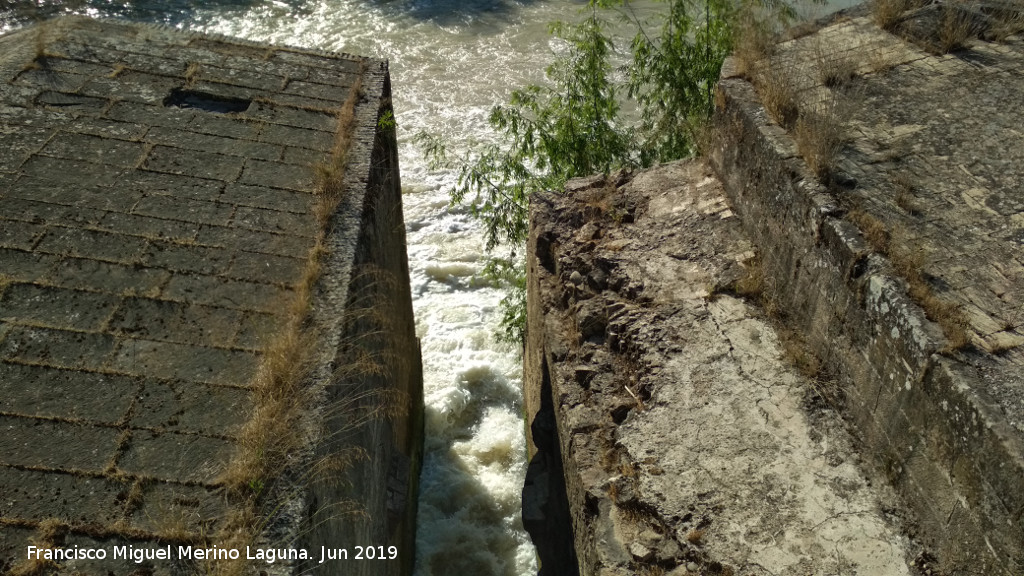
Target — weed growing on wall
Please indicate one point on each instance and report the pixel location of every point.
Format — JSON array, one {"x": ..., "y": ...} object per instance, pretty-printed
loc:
[{"x": 574, "y": 126}]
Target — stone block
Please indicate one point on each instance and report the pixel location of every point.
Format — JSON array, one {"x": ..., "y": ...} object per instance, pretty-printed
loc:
[
  {"x": 90, "y": 197},
  {"x": 59, "y": 348},
  {"x": 227, "y": 127},
  {"x": 172, "y": 507},
  {"x": 186, "y": 209},
  {"x": 47, "y": 213},
  {"x": 258, "y": 330},
  {"x": 304, "y": 156},
  {"x": 79, "y": 67},
  {"x": 92, "y": 244},
  {"x": 65, "y": 394},
  {"x": 296, "y": 137},
  {"x": 216, "y": 144},
  {"x": 160, "y": 228},
  {"x": 275, "y": 221},
  {"x": 193, "y": 163},
  {"x": 28, "y": 494},
  {"x": 103, "y": 276},
  {"x": 277, "y": 175},
  {"x": 13, "y": 545},
  {"x": 72, "y": 103},
  {"x": 148, "y": 319},
  {"x": 132, "y": 86},
  {"x": 49, "y": 78},
  {"x": 185, "y": 407},
  {"x": 56, "y": 307},
  {"x": 266, "y": 268},
  {"x": 325, "y": 92},
  {"x": 28, "y": 442},
  {"x": 187, "y": 258},
  {"x": 303, "y": 103},
  {"x": 94, "y": 149},
  {"x": 175, "y": 457},
  {"x": 23, "y": 266},
  {"x": 269, "y": 198},
  {"x": 15, "y": 148},
  {"x": 71, "y": 172},
  {"x": 172, "y": 185},
  {"x": 107, "y": 128},
  {"x": 226, "y": 293},
  {"x": 184, "y": 362},
  {"x": 146, "y": 115},
  {"x": 6, "y": 180},
  {"x": 242, "y": 77},
  {"x": 20, "y": 235},
  {"x": 334, "y": 74}
]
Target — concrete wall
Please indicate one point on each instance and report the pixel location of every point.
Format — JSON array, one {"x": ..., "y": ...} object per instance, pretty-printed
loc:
[{"x": 367, "y": 306}]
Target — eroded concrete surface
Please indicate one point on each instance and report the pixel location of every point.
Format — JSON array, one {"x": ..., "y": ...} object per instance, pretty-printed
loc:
[
  {"x": 147, "y": 252},
  {"x": 690, "y": 446}
]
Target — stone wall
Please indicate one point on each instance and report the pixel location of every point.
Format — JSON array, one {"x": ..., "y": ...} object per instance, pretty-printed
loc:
[
  {"x": 158, "y": 216},
  {"x": 940, "y": 423}
]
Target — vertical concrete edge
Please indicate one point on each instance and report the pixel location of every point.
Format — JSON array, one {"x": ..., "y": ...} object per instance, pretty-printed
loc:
[{"x": 372, "y": 504}]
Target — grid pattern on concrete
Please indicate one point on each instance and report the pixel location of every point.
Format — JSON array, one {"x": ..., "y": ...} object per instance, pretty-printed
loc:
[{"x": 146, "y": 251}]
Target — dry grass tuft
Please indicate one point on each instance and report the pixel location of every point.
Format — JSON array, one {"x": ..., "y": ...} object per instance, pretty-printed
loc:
[
  {"x": 755, "y": 42},
  {"x": 191, "y": 74},
  {"x": 778, "y": 95},
  {"x": 1008, "y": 24},
  {"x": 50, "y": 533},
  {"x": 117, "y": 70},
  {"x": 909, "y": 264},
  {"x": 836, "y": 68},
  {"x": 904, "y": 187},
  {"x": 819, "y": 135},
  {"x": 695, "y": 537},
  {"x": 875, "y": 233},
  {"x": 955, "y": 28},
  {"x": 798, "y": 354},
  {"x": 888, "y": 13},
  {"x": 754, "y": 285}
]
